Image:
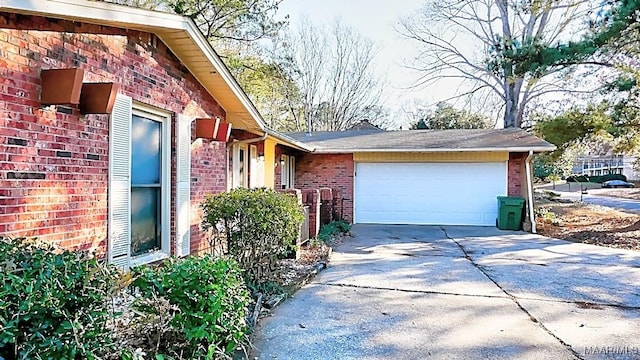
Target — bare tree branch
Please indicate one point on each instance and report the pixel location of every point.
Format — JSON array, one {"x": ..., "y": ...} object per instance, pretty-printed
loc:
[{"x": 457, "y": 37}]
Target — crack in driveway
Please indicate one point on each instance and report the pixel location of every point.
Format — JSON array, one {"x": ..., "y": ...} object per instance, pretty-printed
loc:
[
  {"x": 432, "y": 292},
  {"x": 510, "y": 296}
]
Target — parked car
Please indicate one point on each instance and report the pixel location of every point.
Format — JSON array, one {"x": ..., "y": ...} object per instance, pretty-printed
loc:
[{"x": 616, "y": 184}]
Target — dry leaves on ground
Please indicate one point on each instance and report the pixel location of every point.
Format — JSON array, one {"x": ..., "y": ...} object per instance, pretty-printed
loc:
[{"x": 590, "y": 224}]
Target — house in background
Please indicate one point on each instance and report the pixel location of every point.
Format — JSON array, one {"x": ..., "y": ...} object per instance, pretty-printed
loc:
[
  {"x": 596, "y": 165},
  {"x": 116, "y": 122}
]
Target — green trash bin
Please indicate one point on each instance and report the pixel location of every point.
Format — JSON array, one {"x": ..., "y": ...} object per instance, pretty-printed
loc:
[{"x": 510, "y": 209}]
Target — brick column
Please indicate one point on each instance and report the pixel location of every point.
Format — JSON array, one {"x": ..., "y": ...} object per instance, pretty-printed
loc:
[
  {"x": 326, "y": 208},
  {"x": 296, "y": 193},
  {"x": 311, "y": 198},
  {"x": 338, "y": 207}
]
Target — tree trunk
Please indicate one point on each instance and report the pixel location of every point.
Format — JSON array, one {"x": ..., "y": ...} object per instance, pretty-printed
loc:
[{"x": 511, "y": 119}]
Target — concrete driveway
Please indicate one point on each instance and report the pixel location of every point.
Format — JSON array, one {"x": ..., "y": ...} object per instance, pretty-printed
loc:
[{"x": 418, "y": 292}]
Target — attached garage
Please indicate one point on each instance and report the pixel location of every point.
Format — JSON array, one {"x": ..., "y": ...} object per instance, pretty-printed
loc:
[
  {"x": 428, "y": 193},
  {"x": 425, "y": 177}
]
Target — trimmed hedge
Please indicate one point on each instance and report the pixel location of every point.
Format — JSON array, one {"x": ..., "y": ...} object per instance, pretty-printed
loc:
[
  {"x": 255, "y": 227},
  {"x": 596, "y": 179}
]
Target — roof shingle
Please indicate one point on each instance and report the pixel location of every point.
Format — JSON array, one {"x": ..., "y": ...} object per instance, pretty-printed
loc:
[{"x": 513, "y": 140}]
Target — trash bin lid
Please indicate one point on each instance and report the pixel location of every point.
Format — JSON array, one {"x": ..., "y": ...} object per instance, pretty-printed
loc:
[{"x": 511, "y": 200}]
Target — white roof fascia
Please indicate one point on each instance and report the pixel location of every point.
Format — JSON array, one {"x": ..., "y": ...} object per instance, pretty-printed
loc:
[
  {"x": 290, "y": 141},
  {"x": 507, "y": 149},
  {"x": 97, "y": 10}
]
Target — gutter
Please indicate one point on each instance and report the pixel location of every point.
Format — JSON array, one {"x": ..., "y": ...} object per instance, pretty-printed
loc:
[
  {"x": 532, "y": 216},
  {"x": 320, "y": 150},
  {"x": 250, "y": 141}
]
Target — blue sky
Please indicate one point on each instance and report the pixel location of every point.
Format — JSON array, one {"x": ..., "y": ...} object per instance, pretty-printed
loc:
[{"x": 377, "y": 19}]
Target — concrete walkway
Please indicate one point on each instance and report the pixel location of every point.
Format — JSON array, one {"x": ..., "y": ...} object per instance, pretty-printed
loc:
[{"x": 417, "y": 292}]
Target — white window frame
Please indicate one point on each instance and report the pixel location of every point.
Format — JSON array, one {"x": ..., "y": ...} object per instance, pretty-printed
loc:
[
  {"x": 164, "y": 117},
  {"x": 287, "y": 171},
  {"x": 236, "y": 166},
  {"x": 256, "y": 168}
]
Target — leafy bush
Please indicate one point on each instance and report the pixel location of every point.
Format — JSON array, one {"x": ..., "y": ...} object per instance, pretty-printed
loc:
[
  {"x": 595, "y": 178},
  {"x": 212, "y": 301},
  {"x": 54, "y": 304},
  {"x": 548, "y": 216},
  {"x": 254, "y": 226},
  {"x": 333, "y": 228},
  {"x": 603, "y": 178},
  {"x": 578, "y": 178}
]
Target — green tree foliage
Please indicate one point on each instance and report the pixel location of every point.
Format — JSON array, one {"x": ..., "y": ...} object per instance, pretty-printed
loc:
[
  {"x": 272, "y": 87},
  {"x": 618, "y": 19},
  {"x": 558, "y": 164},
  {"x": 236, "y": 20},
  {"x": 239, "y": 30},
  {"x": 575, "y": 124},
  {"x": 612, "y": 42},
  {"x": 446, "y": 117},
  {"x": 617, "y": 126},
  {"x": 445, "y": 29}
]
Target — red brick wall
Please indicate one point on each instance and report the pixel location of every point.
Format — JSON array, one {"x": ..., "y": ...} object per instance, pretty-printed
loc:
[
  {"x": 335, "y": 171},
  {"x": 516, "y": 174},
  {"x": 207, "y": 177},
  {"x": 54, "y": 166}
]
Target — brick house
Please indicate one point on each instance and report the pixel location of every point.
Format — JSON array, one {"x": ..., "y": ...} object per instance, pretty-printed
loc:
[
  {"x": 123, "y": 171},
  {"x": 125, "y": 181}
]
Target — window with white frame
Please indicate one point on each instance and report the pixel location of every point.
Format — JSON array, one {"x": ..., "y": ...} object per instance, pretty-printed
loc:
[
  {"x": 139, "y": 183},
  {"x": 240, "y": 166},
  {"x": 287, "y": 171},
  {"x": 149, "y": 172}
]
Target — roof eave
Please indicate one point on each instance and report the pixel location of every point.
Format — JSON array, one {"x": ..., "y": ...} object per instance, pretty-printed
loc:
[
  {"x": 536, "y": 149},
  {"x": 224, "y": 72},
  {"x": 289, "y": 141},
  {"x": 159, "y": 23}
]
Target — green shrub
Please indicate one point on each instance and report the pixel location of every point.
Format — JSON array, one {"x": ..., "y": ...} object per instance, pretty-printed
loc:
[
  {"x": 607, "y": 177},
  {"x": 333, "y": 228},
  {"x": 578, "y": 178},
  {"x": 548, "y": 216},
  {"x": 212, "y": 300},
  {"x": 54, "y": 304},
  {"x": 596, "y": 178},
  {"x": 254, "y": 226}
]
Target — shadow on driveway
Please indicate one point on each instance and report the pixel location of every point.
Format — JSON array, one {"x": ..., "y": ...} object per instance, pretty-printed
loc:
[{"x": 414, "y": 292}]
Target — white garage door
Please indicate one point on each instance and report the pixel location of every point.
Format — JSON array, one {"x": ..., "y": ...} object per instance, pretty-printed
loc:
[{"x": 429, "y": 193}]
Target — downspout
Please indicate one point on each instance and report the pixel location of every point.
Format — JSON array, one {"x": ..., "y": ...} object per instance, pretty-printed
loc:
[{"x": 532, "y": 216}]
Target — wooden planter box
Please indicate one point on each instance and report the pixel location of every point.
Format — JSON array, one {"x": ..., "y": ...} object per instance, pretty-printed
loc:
[
  {"x": 207, "y": 128},
  {"x": 98, "y": 98},
  {"x": 224, "y": 131},
  {"x": 61, "y": 86}
]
